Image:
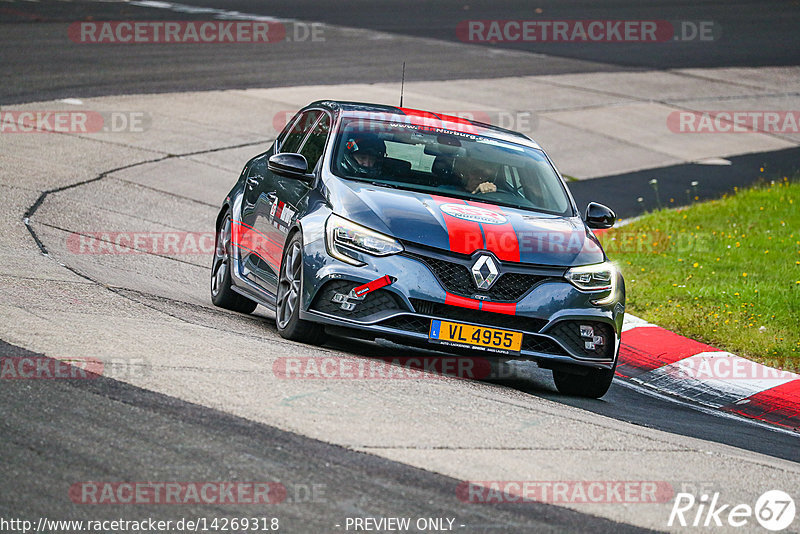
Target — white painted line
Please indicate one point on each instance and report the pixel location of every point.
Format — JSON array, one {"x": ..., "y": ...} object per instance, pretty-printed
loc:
[
  {"x": 721, "y": 365},
  {"x": 714, "y": 379},
  {"x": 713, "y": 161},
  {"x": 631, "y": 321},
  {"x": 220, "y": 14}
]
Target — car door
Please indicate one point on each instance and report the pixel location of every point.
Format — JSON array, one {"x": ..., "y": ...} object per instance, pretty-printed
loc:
[
  {"x": 288, "y": 197},
  {"x": 281, "y": 199},
  {"x": 259, "y": 253}
]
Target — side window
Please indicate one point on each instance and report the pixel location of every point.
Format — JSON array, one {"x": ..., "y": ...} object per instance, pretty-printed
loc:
[
  {"x": 315, "y": 144},
  {"x": 298, "y": 132},
  {"x": 285, "y": 130}
]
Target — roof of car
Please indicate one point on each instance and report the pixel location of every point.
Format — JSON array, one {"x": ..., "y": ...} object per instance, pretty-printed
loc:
[{"x": 422, "y": 118}]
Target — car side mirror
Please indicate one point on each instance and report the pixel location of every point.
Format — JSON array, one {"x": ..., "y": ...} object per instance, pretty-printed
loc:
[
  {"x": 290, "y": 165},
  {"x": 599, "y": 216}
]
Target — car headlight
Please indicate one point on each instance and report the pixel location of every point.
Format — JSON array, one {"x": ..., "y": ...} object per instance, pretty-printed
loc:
[
  {"x": 598, "y": 278},
  {"x": 344, "y": 238}
]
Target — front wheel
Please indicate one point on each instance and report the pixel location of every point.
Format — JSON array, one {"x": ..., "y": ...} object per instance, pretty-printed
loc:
[
  {"x": 594, "y": 384},
  {"x": 290, "y": 286}
]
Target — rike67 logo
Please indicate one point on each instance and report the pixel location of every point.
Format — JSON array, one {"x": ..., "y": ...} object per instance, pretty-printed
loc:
[{"x": 774, "y": 510}]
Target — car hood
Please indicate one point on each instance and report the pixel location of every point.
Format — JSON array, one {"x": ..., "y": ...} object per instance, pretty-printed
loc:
[{"x": 464, "y": 227}]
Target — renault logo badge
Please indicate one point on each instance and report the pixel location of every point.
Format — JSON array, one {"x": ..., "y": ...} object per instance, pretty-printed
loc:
[{"x": 484, "y": 272}]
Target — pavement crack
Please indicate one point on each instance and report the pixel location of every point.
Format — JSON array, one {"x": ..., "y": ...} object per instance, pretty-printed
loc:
[
  {"x": 31, "y": 211},
  {"x": 37, "y": 204}
]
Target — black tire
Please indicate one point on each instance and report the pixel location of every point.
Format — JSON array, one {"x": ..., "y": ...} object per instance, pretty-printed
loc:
[
  {"x": 221, "y": 293},
  {"x": 594, "y": 384},
  {"x": 289, "y": 298}
]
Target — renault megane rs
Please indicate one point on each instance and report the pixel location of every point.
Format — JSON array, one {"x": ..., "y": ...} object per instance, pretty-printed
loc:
[{"x": 385, "y": 222}]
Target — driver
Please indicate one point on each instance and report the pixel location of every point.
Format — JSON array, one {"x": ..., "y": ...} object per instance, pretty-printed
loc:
[
  {"x": 364, "y": 154},
  {"x": 477, "y": 177}
]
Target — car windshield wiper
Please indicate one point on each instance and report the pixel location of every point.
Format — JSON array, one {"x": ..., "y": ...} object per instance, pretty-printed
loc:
[{"x": 384, "y": 184}]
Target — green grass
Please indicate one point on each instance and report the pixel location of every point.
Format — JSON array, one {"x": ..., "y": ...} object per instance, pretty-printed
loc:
[{"x": 724, "y": 272}]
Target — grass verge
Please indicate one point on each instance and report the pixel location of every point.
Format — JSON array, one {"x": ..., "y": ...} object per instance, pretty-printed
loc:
[{"x": 725, "y": 272}]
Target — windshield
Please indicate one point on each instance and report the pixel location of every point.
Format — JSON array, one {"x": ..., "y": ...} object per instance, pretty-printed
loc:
[{"x": 450, "y": 163}]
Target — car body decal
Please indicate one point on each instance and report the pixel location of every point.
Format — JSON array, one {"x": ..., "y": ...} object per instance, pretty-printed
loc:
[
  {"x": 466, "y": 234},
  {"x": 248, "y": 238}
]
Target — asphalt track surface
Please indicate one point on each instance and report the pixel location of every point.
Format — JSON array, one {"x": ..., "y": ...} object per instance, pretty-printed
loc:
[
  {"x": 624, "y": 191},
  {"x": 159, "y": 435},
  {"x": 745, "y": 34},
  {"x": 156, "y": 437},
  {"x": 41, "y": 64}
]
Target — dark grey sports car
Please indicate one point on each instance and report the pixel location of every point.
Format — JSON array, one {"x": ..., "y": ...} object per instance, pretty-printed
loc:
[{"x": 378, "y": 221}]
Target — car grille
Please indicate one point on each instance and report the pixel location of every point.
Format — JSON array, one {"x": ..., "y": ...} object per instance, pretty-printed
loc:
[
  {"x": 375, "y": 301},
  {"x": 568, "y": 332},
  {"x": 457, "y": 313},
  {"x": 456, "y": 278}
]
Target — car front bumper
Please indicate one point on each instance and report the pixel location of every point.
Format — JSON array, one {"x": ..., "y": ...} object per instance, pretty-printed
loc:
[{"x": 549, "y": 315}]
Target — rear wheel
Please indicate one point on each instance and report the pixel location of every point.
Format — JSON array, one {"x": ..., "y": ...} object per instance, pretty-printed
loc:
[
  {"x": 594, "y": 384},
  {"x": 221, "y": 293},
  {"x": 290, "y": 287}
]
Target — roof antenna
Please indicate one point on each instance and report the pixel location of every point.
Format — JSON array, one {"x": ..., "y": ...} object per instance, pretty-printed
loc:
[{"x": 402, "y": 84}]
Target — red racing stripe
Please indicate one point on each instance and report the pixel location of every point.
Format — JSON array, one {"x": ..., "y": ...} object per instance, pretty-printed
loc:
[
  {"x": 463, "y": 302},
  {"x": 474, "y": 304},
  {"x": 465, "y": 236},
  {"x": 248, "y": 238},
  {"x": 248, "y": 228},
  {"x": 500, "y": 307},
  {"x": 501, "y": 239}
]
